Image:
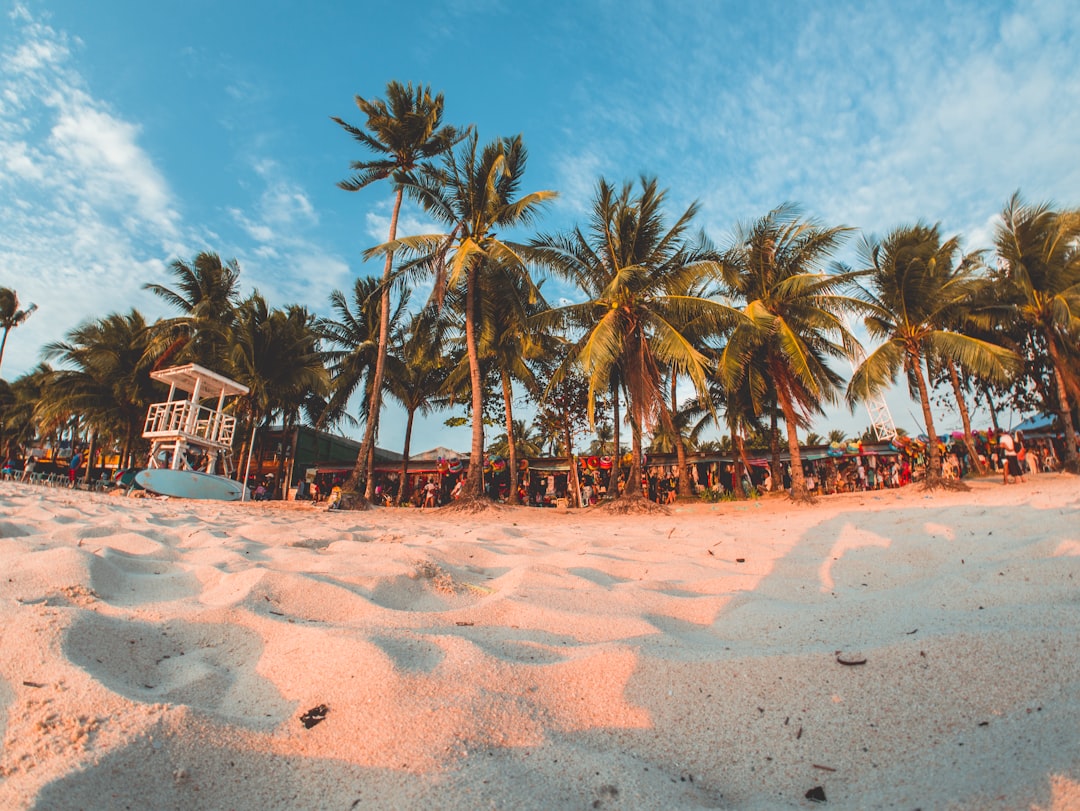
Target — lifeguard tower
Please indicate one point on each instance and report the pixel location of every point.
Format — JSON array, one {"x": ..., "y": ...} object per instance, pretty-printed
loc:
[{"x": 183, "y": 423}]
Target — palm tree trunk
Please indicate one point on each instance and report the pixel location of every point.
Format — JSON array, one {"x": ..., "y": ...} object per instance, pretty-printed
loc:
[
  {"x": 3, "y": 343},
  {"x": 366, "y": 457},
  {"x": 616, "y": 463},
  {"x": 745, "y": 460},
  {"x": 573, "y": 486},
  {"x": 511, "y": 441},
  {"x": 279, "y": 485},
  {"x": 933, "y": 459},
  {"x": 405, "y": 458},
  {"x": 798, "y": 481},
  {"x": 1072, "y": 462},
  {"x": 474, "y": 487},
  {"x": 633, "y": 477},
  {"x": 990, "y": 408},
  {"x": 685, "y": 488},
  {"x": 965, "y": 417},
  {"x": 736, "y": 479},
  {"x": 88, "y": 476},
  {"x": 774, "y": 448}
]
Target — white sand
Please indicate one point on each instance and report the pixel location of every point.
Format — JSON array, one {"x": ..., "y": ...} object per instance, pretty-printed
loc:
[{"x": 160, "y": 654}]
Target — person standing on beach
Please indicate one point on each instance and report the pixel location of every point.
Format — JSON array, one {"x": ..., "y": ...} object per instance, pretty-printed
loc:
[
  {"x": 1012, "y": 463},
  {"x": 73, "y": 467}
]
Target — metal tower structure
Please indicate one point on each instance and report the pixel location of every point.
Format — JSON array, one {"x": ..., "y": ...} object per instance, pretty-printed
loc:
[{"x": 881, "y": 421}]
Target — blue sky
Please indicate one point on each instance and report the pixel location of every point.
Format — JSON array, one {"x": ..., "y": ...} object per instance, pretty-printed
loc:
[{"x": 133, "y": 133}]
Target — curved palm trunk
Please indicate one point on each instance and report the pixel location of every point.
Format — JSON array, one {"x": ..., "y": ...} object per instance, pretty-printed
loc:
[
  {"x": 990, "y": 408},
  {"x": 573, "y": 484},
  {"x": 685, "y": 487},
  {"x": 508, "y": 406},
  {"x": 367, "y": 450},
  {"x": 3, "y": 343},
  {"x": 965, "y": 418},
  {"x": 405, "y": 458},
  {"x": 933, "y": 459},
  {"x": 680, "y": 449},
  {"x": 798, "y": 481},
  {"x": 1072, "y": 461},
  {"x": 474, "y": 487},
  {"x": 745, "y": 460}
]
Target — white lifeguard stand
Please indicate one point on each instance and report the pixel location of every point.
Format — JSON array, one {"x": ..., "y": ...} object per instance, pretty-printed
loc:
[{"x": 179, "y": 424}]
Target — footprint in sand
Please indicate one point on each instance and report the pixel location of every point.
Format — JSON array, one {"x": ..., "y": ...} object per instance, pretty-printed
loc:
[
  {"x": 409, "y": 653},
  {"x": 125, "y": 580},
  {"x": 210, "y": 667}
]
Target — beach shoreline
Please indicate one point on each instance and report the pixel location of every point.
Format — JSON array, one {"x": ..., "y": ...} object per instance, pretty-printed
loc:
[{"x": 893, "y": 649}]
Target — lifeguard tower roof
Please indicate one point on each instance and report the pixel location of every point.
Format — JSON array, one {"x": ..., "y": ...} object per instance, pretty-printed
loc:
[{"x": 210, "y": 384}]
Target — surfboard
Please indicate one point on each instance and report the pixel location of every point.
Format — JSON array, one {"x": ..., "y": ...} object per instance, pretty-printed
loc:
[{"x": 188, "y": 484}]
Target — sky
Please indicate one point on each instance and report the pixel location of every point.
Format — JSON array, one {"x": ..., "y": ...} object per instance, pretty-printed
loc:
[{"x": 133, "y": 133}]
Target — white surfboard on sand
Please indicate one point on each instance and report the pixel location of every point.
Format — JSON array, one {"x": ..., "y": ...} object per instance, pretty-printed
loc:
[{"x": 189, "y": 484}]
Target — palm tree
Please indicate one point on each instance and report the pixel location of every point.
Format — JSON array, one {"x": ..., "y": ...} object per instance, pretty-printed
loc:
[
  {"x": 352, "y": 346},
  {"x": 742, "y": 411},
  {"x": 11, "y": 315},
  {"x": 418, "y": 369},
  {"x": 1039, "y": 250},
  {"x": 508, "y": 300},
  {"x": 793, "y": 322},
  {"x": 207, "y": 294},
  {"x": 17, "y": 404},
  {"x": 405, "y": 133},
  {"x": 915, "y": 285},
  {"x": 474, "y": 195},
  {"x": 106, "y": 380},
  {"x": 275, "y": 353},
  {"x": 525, "y": 439},
  {"x": 628, "y": 264}
]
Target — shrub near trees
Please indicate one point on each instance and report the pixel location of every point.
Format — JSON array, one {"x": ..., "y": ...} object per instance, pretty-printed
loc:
[{"x": 759, "y": 326}]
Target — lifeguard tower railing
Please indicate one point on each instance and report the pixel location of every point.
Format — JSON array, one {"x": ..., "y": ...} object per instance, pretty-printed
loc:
[
  {"x": 183, "y": 423},
  {"x": 197, "y": 424}
]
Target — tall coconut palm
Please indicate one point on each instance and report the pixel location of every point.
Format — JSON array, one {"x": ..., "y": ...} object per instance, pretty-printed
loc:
[
  {"x": 206, "y": 293},
  {"x": 1039, "y": 249},
  {"x": 404, "y": 132},
  {"x": 914, "y": 286},
  {"x": 11, "y": 315},
  {"x": 475, "y": 195},
  {"x": 633, "y": 269},
  {"x": 794, "y": 323}
]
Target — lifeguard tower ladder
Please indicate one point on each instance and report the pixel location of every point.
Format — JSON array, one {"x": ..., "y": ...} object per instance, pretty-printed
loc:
[{"x": 182, "y": 424}]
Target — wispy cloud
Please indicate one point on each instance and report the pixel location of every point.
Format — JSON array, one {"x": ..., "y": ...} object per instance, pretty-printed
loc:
[
  {"x": 86, "y": 211},
  {"x": 285, "y": 260}
]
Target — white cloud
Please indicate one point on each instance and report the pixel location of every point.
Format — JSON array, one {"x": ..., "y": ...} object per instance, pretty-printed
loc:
[{"x": 85, "y": 212}]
